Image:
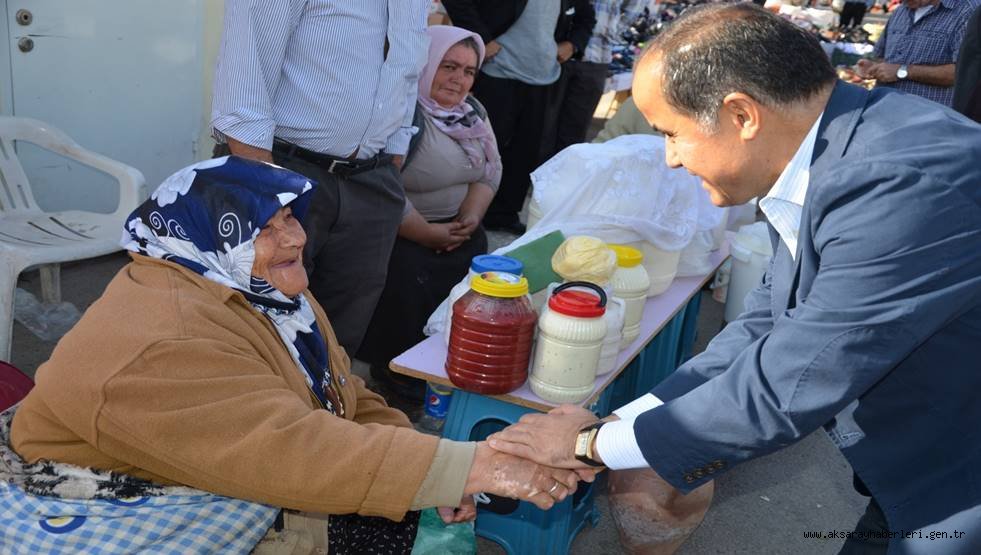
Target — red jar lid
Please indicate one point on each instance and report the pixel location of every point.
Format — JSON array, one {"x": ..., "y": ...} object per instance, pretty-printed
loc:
[{"x": 576, "y": 303}]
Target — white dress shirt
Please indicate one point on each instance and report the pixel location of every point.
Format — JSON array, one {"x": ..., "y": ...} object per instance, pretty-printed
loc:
[
  {"x": 315, "y": 73},
  {"x": 616, "y": 443}
]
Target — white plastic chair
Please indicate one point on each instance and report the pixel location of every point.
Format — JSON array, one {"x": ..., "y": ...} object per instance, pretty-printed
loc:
[{"x": 30, "y": 237}]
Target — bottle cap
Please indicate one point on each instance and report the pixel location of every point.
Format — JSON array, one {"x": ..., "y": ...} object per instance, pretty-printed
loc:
[
  {"x": 580, "y": 304},
  {"x": 627, "y": 257},
  {"x": 500, "y": 284},
  {"x": 496, "y": 263}
]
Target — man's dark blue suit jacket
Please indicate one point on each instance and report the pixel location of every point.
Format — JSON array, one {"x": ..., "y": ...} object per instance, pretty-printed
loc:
[{"x": 873, "y": 332}]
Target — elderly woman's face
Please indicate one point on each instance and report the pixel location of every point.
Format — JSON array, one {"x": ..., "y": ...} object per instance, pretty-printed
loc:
[
  {"x": 279, "y": 253},
  {"x": 454, "y": 76}
]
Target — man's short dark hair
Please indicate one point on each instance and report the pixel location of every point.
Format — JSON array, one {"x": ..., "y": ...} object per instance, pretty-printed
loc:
[{"x": 717, "y": 49}]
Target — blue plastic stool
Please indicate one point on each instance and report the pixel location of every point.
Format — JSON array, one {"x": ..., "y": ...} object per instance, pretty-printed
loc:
[{"x": 527, "y": 529}]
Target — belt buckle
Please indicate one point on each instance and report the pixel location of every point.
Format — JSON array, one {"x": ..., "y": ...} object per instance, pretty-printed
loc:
[{"x": 334, "y": 164}]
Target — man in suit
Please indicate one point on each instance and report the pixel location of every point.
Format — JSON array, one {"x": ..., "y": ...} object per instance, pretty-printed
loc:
[{"x": 868, "y": 321}]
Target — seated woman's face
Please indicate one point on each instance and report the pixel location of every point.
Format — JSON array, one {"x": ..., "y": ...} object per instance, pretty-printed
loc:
[
  {"x": 279, "y": 253},
  {"x": 454, "y": 76}
]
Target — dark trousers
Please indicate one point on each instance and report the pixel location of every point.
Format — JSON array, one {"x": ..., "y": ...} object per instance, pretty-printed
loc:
[
  {"x": 517, "y": 112},
  {"x": 418, "y": 281},
  {"x": 872, "y": 523},
  {"x": 351, "y": 226},
  {"x": 852, "y": 14},
  {"x": 571, "y": 103}
]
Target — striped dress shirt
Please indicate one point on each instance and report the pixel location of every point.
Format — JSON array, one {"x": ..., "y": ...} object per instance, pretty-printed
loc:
[
  {"x": 783, "y": 204},
  {"x": 315, "y": 73}
]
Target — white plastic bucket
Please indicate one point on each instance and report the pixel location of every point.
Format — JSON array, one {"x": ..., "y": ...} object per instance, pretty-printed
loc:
[{"x": 751, "y": 252}]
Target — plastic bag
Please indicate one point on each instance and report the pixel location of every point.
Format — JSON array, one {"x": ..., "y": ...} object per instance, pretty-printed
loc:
[
  {"x": 49, "y": 322},
  {"x": 437, "y": 538},
  {"x": 620, "y": 191}
]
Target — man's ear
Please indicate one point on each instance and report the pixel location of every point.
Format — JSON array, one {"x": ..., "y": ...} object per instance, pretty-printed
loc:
[{"x": 743, "y": 113}]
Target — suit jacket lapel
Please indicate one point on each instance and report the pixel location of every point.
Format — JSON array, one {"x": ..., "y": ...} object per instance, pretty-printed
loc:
[{"x": 840, "y": 118}]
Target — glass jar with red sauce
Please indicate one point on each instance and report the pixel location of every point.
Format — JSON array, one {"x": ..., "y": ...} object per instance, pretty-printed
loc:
[{"x": 491, "y": 335}]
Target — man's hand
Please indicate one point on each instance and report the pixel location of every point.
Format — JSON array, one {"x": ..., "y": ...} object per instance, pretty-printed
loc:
[
  {"x": 243, "y": 150},
  {"x": 509, "y": 476},
  {"x": 397, "y": 160},
  {"x": 491, "y": 49},
  {"x": 466, "y": 512},
  {"x": 565, "y": 51},
  {"x": 885, "y": 72},
  {"x": 547, "y": 439},
  {"x": 864, "y": 68}
]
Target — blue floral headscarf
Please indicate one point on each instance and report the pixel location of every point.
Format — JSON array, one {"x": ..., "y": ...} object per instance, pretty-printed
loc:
[{"x": 207, "y": 216}]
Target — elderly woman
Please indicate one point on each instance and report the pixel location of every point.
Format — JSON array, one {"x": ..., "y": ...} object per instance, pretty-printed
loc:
[
  {"x": 206, "y": 364},
  {"x": 450, "y": 175}
]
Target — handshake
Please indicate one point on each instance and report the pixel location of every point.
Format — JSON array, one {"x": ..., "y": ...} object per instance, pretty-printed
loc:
[{"x": 533, "y": 460}]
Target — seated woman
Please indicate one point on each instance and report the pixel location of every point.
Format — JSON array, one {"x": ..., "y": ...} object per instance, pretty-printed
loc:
[
  {"x": 206, "y": 364},
  {"x": 450, "y": 175}
]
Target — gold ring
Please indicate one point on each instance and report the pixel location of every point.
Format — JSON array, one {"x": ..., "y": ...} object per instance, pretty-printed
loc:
[{"x": 556, "y": 485}]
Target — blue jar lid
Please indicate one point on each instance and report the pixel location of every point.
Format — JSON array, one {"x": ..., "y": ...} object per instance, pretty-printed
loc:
[{"x": 496, "y": 263}]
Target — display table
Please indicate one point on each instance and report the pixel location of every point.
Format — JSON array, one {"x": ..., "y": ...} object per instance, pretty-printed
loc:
[{"x": 667, "y": 331}]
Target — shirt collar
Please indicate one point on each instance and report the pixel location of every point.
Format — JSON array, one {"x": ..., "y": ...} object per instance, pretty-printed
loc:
[{"x": 791, "y": 186}]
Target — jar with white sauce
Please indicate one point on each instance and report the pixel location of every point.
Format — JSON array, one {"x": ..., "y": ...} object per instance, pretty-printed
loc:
[
  {"x": 570, "y": 337},
  {"x": 630, "y": 283},
  {"x": 610, "y": 350}
]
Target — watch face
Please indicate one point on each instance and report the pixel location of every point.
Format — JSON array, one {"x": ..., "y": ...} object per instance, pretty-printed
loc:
[
  {"x": 582, "y": 440},
  {"x": 902, "y": 73}
]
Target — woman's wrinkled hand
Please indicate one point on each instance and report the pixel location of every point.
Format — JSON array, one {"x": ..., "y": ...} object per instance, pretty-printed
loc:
[{"x": 509, "y": 476}]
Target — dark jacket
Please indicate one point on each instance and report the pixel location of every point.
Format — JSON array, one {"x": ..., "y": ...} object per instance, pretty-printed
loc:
[
  {"x": 491, "y": 18},
  {"x": 967, "y": 83}
]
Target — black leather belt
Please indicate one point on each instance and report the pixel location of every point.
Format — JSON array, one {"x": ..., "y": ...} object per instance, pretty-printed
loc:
[{"x": 344, "y": 167}]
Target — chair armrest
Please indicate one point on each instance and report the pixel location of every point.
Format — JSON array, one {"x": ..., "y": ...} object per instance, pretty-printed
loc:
[{"x": 130, "y": 179}]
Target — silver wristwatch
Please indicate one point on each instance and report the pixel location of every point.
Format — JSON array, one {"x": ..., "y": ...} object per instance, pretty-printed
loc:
[{"x": 902, "y": 72}]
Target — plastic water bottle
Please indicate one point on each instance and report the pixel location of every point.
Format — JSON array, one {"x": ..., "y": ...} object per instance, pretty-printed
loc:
[
  {"x": 437, "y": 406},
  {"x": 47, "y": 321}
]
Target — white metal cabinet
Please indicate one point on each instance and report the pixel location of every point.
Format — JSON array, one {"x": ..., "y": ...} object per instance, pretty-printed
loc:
[{"x": 122, "y": 77}]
